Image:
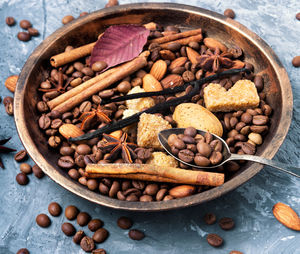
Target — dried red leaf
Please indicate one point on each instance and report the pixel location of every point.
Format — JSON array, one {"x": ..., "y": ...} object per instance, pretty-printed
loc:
[{"x": 119, "y": 44}]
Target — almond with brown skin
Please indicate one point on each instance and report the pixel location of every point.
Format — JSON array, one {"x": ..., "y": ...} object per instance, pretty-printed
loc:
[
  {"x": 167, "y": 54},
  {"x": 287, "y": 216},
  {"x": 159, "y": 69},
  {"x": 151, "y": 84},
  {"x": 178, "y": 62},
  {"x": 11, "y": 83},
  {"x": 193, "y": 55},
  {"x": 213, "y": 44},
  {"x": 182, "y": 191},
  {"x": 70, "y": 131},
  {"x": 172, "y": 80}
]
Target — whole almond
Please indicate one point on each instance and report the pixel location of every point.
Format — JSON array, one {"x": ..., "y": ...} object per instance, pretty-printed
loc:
[
  {"x": 182, "y": 191},
  {"x": 167, "y": 54},
  {"x": 151, "y": 84},
  {"x": 11, "y": 83},
  {"x": 159, "y": 69},
  {"x": 172, "y": 80},
  {"x": 193, "y": 55},
  {"x": 70, "y": 131},
  {"x": 178, "y": 62},
  {"x": 213, "y": 44},
  {"x": 287, "y": 216}
]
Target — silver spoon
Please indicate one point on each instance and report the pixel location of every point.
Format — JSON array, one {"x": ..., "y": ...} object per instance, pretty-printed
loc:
[{"x": 227, "y": 155}]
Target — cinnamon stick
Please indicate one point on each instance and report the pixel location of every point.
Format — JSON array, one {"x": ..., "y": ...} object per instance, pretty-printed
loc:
[
  {"x": 155, "y": 173},
  {"x": 173, "y": 37},
  {"x": 183, "y": 41},
  {"x": 124, "y": 71}
]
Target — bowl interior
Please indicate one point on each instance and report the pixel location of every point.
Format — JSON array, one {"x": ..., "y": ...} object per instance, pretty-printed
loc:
[{"x": 86, "y": 29}]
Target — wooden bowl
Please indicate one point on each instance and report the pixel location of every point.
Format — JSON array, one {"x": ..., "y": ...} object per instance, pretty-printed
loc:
[{"x": 86, "y": 29}]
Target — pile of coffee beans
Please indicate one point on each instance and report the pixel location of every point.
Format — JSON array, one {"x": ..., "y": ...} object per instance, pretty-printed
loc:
[
  {"x": 100, "y": 234},
  {"x": 243, "y": 130},
  {"x": 194, "y": 148}
]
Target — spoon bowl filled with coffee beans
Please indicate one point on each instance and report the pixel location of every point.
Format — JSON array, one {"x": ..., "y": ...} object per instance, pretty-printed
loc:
[{"x": 204, "y": 150}]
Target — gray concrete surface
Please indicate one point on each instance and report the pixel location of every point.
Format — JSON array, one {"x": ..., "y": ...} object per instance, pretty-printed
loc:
[{"x": 180, "y": 231}]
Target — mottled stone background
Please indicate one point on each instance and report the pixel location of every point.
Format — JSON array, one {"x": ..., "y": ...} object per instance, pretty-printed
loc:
[{"x": 180, "y": 231}]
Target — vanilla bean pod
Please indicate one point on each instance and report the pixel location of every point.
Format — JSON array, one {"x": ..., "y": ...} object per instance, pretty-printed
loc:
[{"x": 158, "y": 107}]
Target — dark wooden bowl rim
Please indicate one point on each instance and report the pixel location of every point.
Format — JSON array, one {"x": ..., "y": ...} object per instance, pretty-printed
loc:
[{"x": 269, "y": 152}]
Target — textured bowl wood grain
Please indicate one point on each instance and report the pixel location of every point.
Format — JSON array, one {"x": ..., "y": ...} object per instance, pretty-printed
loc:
[{"x": 87, "y": 28}]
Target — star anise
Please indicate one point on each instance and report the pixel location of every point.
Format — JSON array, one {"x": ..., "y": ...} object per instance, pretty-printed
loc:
[
  {"x": 58, "y": 86},
  {"x": 214, "y": 61},
  {"x": 116, "y": 145},
  {"x": 4, "y": 149},
  {"x": 95, "y": 115}
]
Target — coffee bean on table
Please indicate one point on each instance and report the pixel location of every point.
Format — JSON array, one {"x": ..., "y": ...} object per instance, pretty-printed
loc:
[
  {"x": 21, "y": 156},
  {"x": 25, "y": 168},
  {"x": 23, "y": 36},
  {"x": 43, "y": 220},
  {"x": 9, "y": 105},
  {"x": 210, "y": 218},
  {"x": 226, "y": 223},
  {"x": 71, "y": 212},
  {"x": 67, "y": 19},
  {"x": 95, "y": 224},
  {"x": 229, "y": 13},
  {"x": 25, "y": 24},
  {"x": 78, "y": 236},
  {"x": 54, "y": 209},
  {"x": 99, "y": 251},
  {"x": 136, "y": 234},
  {"x": 83, "y": 218},
  {"x": 23, "y": 251},
  {"x": 235, "y": 252},
  {"x": 37, "y": 172},
  {"x": 10, "y": 21},
  {"x": 124, "y": 222},
  {"x": 22, "y": 179},
  {"x": 87, "y": 244},
  {"x": 33, "y": 32},
  {"x": 100, "y": 235},
  {"x": 68, "y": 229},
  {"x": 298, "y": 16},
  {"x": 214, "y": 240},
  {"x": 296, "y": 60}
]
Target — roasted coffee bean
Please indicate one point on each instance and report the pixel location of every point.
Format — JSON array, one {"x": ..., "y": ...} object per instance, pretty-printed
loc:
[
  {"x": 239, "y": 126},
  {"x": 233, "y": 121},
  {"x": 248, "y": 148},
  {"x": 103, "y": 189},
  {"x": 85, "y": 106},
  {"x": 92, "y": 184},
  {"x": 226, "y": 223},
  {"x": 74, "y": 174},
  {"x": 214, "y": 240},
  {"x": 66, "y": 162},
  {"x": 54, "y": 209},
  {"x": 68, "y": 229},
  {"x": 124, "y": 222},
  {"x": 210, "y": 218},
  {"x": 216, "y": 158},
  {"x": 296, "y": 60},
  {"x": 43, "y": 220},
  {"x": 99, "y": 251},
  {"x": 105, "y": 94},
  {"x": 83, "y": 149},
  {"x": 23, "y": 36},
  {"x": 229, "y": 13},
  {"x": 100, "y": 235},
  {"x": 82, "y": 180},
  {"x": 161, "y": 194},
  {"x": 186, "y": 155},
  {"x": 56, "y": 123},
  {"x": 55, "y": 114},
  {"x": 136, "y": 234},
  {"x": 54, "y": 141},
  {"x": 9, "y": 105},
  {"x": 235, "y": 252},
  {"x": 216, "y": 145},
  {"x": 179, "y": 144},
  {"x": 121, "y": 196},
  {"x": 259, "y": 129},
  {"x": 246, "y": 118},
  {"x": 78, "y": 236},
  {"x": 33, "y": 32},
  {"x": 25, "y": 24},
  {"x": 44, "y": 122},
  {"x": 83, "y": 219},
  {"x": 132, "y": 198},
  {"x": 192, "y": 147},
  {"x": 21, "y": 156},
  {"x": 23, "y": 251},
  {"x": 87, "y": 71},
  {"x": 188, "y": 139},
  {"x": 199, "y": 138},
  {"x": 87, "y": 244},
  {"x": 99, "y": 66},
  {"x": 204, "y": 149},
  {"x": 10, "y": 21},
  {"x": 66, "y": 150},
  {"x": 22, "y": 179},
  {"x": 124, "y": 87},
  {"x": 172, "y": 29},
  {"x": 45, "y": 85},
  {"x": 95, "y": 224},
  {"x": 79, "y": 160},
  {"x": 259, "y": 83},
  {"x": 37, "y": 172},
  {"x": 146, "y": 198},
  {"x": 115, "y": 187},
  {"x": 188, "y": 76},
  {"x": 190, "y": 131},
  {"x": 42, "y": 106},
  {"x": 151, "y": 189},
  {"x": 25, "y": 168},
  {"x": 240, "y": 137},
  {"x": 260, "y": 120},
  {"x": 71, "y": 212},
  {"x": 232, "y": 166},
  {"x": 208, "y": 137},
  {"x": 67, "y": 19},
  {"x": 174, "y": 46},
  {"x": 201, "y": 160},
  {"x": 137, "y": 81}
]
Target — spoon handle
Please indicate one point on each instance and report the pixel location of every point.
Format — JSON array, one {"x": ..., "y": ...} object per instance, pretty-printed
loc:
[{"x": 295, "y": 171}]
